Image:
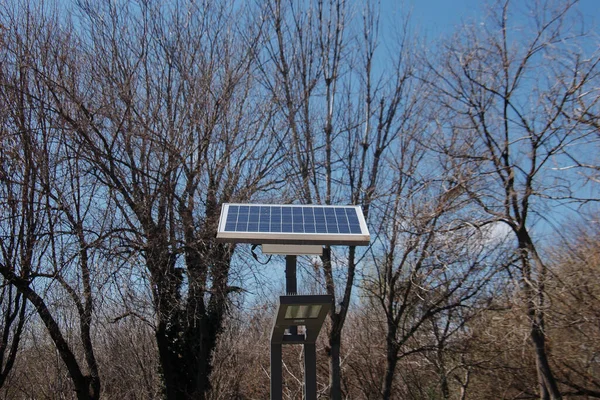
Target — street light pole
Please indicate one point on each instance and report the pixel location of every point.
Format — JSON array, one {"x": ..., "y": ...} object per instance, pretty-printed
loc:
[
  {"x": 276, "y": 372},
  {"x": 313, "y": 226},
  {"x": 291, "y": 288},
  {"x": 310, "y": 371},
  {"x": 291, "y": 285}
]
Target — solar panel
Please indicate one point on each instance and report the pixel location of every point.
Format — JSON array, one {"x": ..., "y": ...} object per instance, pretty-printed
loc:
[{"x": 292, "y": 224}]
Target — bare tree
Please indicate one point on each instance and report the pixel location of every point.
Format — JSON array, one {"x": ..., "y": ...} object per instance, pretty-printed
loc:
[
  {"x": 126, "y": 125},
  {"x": 364, "y": 353},
  {"x": 432, "y": 272},
  {"x": 128, "y": 360},
  {"x": 49, "y": 242},
  {"x": 506, "y": 99},
  {"x": 14, "y": 316},
  {"x": 160, "y": 101},
  {"x": 14, "y": 245},
  {"x": 18, "y": 229},
  {"x": 573, "y": 318},
  {"x": 305, "y": 56},
  {"x": 342, "y": 117}
]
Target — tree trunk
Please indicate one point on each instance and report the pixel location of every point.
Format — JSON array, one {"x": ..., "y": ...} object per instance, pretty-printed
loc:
[
  {"x": 186, "y": 366},
  {"x": 464, "y": 385},
  {"x": 335, "y": 384},
  {"x": 188, "y": 329},
  {"x": 444, "y": 386},
  {"x": 82, "y": 383},
  {"x": 335, "y": 336},
  {"x": 548, "y": 385},
  {"x": 390, "y": 369}
]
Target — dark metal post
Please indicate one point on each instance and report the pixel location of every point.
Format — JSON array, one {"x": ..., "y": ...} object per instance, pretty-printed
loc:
[
  {"x": 290, "y": 274},
  {"x": 310, "y": 371},
  {"x": 291, "y": 286},
  {"x": 276, "y": 372}
]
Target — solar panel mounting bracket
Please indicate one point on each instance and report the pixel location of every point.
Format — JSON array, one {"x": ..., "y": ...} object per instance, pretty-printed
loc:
[{"x": 292, "y": 249}]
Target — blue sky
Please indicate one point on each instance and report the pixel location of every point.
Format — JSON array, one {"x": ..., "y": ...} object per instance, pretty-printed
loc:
[
  {"x": 435, "y": 18},
  {"x": 438, "y": 19}
]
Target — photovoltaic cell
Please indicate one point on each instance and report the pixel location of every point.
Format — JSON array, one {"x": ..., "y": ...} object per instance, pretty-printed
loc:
[
  {"x": 292, "y": 224},
  {"x": 292, "y": 219}
]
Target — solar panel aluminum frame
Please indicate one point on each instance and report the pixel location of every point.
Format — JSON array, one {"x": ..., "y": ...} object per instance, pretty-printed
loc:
[{"x": 297, "y": 238}]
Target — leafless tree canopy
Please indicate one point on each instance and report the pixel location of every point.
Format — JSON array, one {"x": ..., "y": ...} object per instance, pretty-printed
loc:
[{"x": 124, "y": 125}]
